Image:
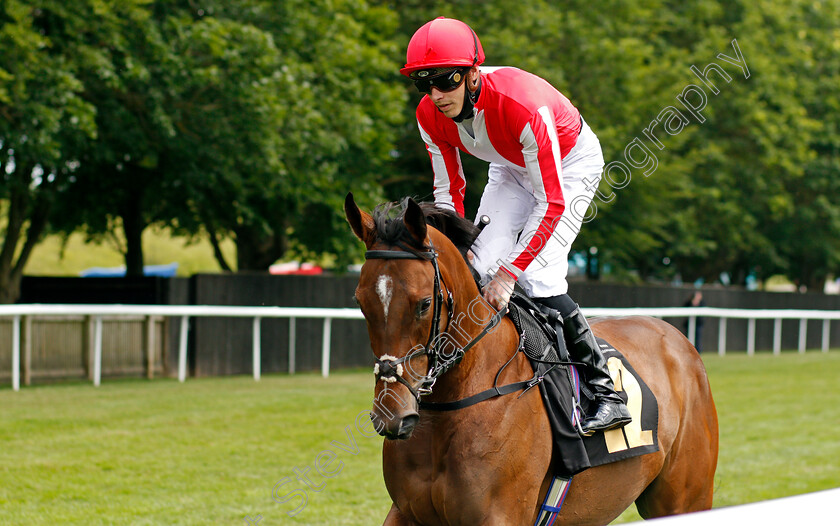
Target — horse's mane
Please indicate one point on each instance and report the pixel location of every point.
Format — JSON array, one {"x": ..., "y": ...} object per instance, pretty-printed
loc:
[{"x": 391, "y": 229}]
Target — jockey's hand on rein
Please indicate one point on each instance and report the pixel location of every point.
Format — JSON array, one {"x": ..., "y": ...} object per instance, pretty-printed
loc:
[{"x": 497, "y": 292}]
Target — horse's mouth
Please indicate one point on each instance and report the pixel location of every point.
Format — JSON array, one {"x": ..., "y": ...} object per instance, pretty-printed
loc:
[{"x": 401, "y": 436}]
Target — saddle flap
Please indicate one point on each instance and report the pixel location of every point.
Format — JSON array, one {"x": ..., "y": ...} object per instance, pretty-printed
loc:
[{"x": 541, "y": 329}]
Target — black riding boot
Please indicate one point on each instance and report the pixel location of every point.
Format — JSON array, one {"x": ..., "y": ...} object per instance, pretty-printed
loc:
[
  {"x": 580, "y": 341},
  {"x": 612, "y": 413}
]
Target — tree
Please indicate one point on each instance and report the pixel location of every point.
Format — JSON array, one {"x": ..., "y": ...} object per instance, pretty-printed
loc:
[
  {"x": 753, "y": 151},
  {"x": 611, "y": 67},
  {"x": 232, "y": 122},
  {"x": 44, "y": 118},
  {"x": 190, "y": 99},
  {"x": 728, "y": 192},
  {"x": 810, "y": 234},
  {"x": 341, "y": 106},
  {"x": 252, "y": 119}
]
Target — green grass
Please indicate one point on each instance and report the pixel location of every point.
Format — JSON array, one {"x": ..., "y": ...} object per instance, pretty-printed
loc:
[
  {"x": 209, "y": 451},
  {"x": 52, "y": 257}
]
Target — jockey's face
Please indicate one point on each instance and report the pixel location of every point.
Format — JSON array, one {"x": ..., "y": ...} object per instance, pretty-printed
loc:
[{"x": 450, "y": 103}]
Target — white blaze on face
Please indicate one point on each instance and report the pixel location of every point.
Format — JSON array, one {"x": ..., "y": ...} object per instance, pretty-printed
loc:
[{"x": 385, "y": 290}]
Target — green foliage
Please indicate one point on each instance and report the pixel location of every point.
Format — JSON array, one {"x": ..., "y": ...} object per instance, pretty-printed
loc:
[
  {"x": 729, "y": 194},
  {"x": 250, "y": 120},
  {"x": 44, "y": 115}
]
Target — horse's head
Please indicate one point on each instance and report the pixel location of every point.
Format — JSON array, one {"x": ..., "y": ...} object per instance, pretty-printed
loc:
[{"x": 403, "y": 292}]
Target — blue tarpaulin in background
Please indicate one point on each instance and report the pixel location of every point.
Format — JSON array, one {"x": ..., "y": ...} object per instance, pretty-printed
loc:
[{"x": 163, "y": 271}]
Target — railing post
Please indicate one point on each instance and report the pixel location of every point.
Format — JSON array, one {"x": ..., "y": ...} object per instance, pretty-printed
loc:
[
  {"x": 150, "y": 346},
  {"x": 722, "y": 336},
  {"x": 256, "y": 347},
  {"x": 292, "y": 344},
  {"x": 16, "y": 353},
  {"x": 27, "y": 350},
  {"x": 751, "y": 337},
  {"x": 825, "y": 334},
  {"x": 325, "y": 348},
  {"x": 87, "y": 347},
  {"x": 182, "y": 348},
  {"x": 97, "y": 351},
  {"x": 692, "y": 329},
  {"x": 777, "y": 336},
  {"x": 803, "y": 334}
]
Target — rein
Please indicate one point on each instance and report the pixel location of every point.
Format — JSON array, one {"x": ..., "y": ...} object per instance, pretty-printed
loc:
[{"x": 390, "y": 368}]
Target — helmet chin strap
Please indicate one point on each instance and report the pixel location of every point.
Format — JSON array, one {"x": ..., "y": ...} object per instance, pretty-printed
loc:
[{"x": 470, "y": 98}]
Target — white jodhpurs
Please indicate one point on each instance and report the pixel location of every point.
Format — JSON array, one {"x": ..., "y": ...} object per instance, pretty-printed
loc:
[{"x": 509, "y": 201}]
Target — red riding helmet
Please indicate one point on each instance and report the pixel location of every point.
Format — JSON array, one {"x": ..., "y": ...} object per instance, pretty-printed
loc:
[{"x": 443, "y": 42}]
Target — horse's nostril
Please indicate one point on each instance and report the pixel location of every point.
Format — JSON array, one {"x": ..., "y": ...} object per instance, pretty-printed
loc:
[{"x": 407, "y": 425}]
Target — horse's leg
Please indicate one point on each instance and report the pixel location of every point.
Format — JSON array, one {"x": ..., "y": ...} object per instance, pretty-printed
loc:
[
  {"x": 679, "y": 478},
  {"x": 598, "y": 495},
  {"x": 396, "y": 518},
  {"x": 686, "y": 481}
]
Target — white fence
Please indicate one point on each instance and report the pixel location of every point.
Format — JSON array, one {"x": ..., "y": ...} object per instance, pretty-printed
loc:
[{"x": 97, "y": 312}]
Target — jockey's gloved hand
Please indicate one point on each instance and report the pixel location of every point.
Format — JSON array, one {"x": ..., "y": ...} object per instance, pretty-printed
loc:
[{"x": 497, "y": 292}]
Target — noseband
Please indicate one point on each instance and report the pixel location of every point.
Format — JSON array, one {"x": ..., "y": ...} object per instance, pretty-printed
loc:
[{"x": 389, "y": 368}]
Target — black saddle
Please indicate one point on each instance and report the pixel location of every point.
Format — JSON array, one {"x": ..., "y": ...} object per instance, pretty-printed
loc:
[
  {"x": 543, "y": 343},
  {"x": 540, "y": 327},
  {"x": 541, "y": 330}
]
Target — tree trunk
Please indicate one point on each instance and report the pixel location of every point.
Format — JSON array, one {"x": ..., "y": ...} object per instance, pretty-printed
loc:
[
  {"x": 133, "y": 226},
  {"x": 257, "y": 249},
  {"x": 12, "y": 274},
  {"x": 814, "y": 281},
  {"x": 217, "y": 249},
  {"x": 22, "y": 206},
  {"x": 9, "y": 289}
]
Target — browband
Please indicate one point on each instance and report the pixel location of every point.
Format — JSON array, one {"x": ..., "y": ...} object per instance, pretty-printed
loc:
[{"x": 398, "y": 254}]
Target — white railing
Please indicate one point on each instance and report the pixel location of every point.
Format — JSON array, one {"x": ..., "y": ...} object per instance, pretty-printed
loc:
[
  {"x": 751, "y": 315},
  {"x": 97, "y": 312}
]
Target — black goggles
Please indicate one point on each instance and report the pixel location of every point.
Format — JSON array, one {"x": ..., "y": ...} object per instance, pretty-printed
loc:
[{"x": 444, "y": 82}]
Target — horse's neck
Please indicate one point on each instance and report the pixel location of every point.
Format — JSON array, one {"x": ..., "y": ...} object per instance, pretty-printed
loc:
[{"x": 477, "y": 369}]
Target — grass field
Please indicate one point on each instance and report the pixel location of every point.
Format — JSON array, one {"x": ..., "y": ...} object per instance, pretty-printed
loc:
[
  {"x": 210, "y": 451},
  {"x": 57, "y": 257}
]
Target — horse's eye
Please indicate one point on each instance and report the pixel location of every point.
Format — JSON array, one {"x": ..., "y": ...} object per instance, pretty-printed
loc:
[{"x": 424, "y": 305}]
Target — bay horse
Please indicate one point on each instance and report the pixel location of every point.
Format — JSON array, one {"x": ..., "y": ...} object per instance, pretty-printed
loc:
[{"x": 491, "y": 463}]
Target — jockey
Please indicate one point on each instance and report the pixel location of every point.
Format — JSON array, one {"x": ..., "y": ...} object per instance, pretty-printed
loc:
[{"x": 545, "y": 164}]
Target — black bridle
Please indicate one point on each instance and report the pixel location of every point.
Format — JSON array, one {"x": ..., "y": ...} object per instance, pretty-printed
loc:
[{"x": 389, "y": 368}]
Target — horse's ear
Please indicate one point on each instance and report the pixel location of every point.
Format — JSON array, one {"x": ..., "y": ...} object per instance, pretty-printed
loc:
[
  {"x": 361, "y": 222},
  {"x": 415, "y": 220}
]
